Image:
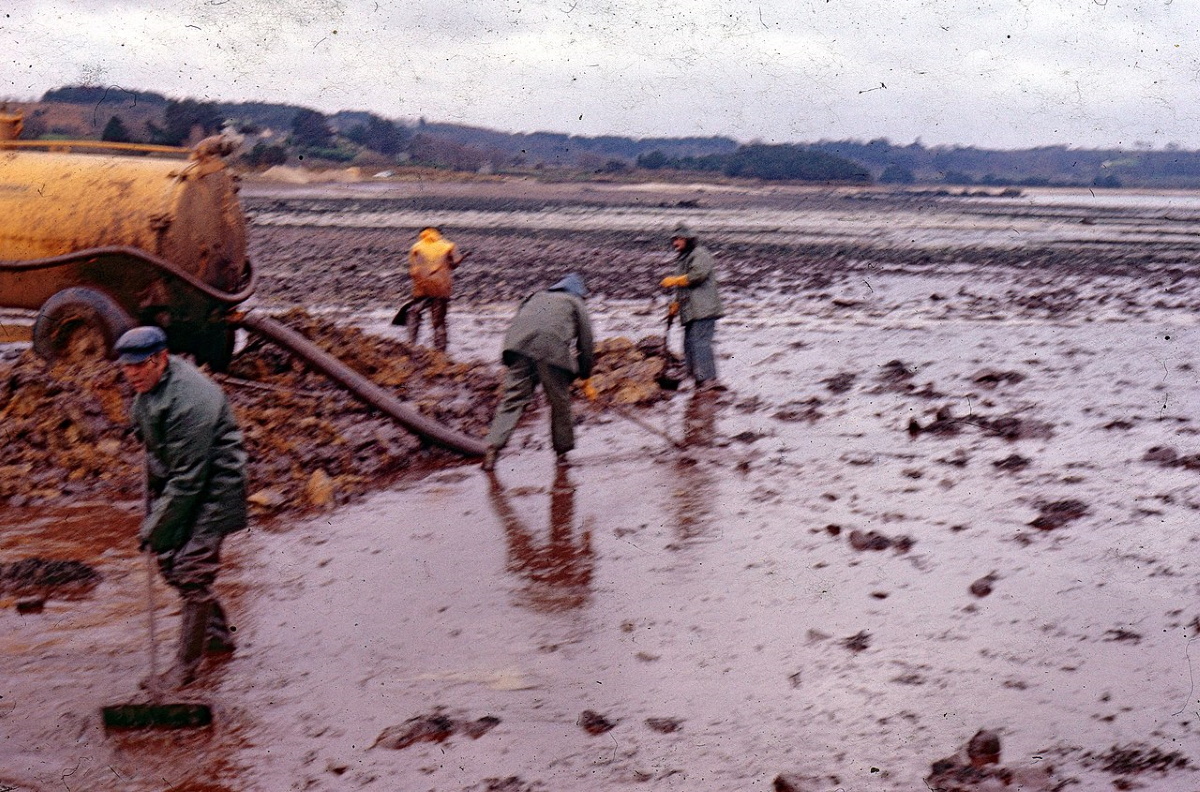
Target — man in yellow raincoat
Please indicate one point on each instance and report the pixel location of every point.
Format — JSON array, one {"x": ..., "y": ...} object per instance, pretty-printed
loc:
[{"x": 430, "y": 263}]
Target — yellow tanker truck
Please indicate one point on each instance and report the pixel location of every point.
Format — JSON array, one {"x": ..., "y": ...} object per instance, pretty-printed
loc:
[
  {"x": 107, "y": 236},
  {"x": 101, "y": 237}
]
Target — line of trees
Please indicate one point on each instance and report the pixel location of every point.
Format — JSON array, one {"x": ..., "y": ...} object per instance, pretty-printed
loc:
[
  {"x": 779, "y": 162},
  {"x": 278, "y": 132}
]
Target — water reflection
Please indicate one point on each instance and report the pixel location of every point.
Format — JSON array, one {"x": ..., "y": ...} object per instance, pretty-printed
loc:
[
  {"x": 558, "y": 569},
  {"x": 695, "y": 486}
]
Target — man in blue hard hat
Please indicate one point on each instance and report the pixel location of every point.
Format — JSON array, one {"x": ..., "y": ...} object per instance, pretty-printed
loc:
[
  {"x": 195, "y": 486},
  {"x": 549, "y": 342}
]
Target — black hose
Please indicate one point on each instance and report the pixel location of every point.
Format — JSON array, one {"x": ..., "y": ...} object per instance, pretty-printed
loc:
[{"x": 360, "y": 386}]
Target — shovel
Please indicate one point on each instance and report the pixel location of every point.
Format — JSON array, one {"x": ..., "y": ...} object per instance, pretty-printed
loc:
[
  {"x": 671, "y": 373},
  {"x": 401, "y": 317},
  {"x": 156, "y": 713},
  {"x": 628, "y": 416}
]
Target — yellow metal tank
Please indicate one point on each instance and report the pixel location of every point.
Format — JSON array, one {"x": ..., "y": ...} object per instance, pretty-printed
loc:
[
  {"x": 11, "y": 125},
  {"x": 183, "y": 211},
  {"x": 111, "y": 235}
]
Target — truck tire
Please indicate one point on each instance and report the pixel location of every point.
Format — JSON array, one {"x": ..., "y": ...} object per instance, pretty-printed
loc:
[
  {"x": 214, "y": 346},
  {"x": 79, "y": 321}
]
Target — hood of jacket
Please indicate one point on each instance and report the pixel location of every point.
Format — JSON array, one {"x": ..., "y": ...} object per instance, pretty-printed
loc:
[{"x": 572, "y": 283}]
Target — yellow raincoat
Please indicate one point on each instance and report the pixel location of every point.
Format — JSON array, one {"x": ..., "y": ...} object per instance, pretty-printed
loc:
[{"x": 430, "y": 262}]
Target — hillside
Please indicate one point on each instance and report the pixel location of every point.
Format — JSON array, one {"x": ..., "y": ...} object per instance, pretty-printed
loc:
[{"x": 278, "y": 133}]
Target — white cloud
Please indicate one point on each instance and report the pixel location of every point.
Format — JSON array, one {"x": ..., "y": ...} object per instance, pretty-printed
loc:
[{"x": 989, "y": 72}]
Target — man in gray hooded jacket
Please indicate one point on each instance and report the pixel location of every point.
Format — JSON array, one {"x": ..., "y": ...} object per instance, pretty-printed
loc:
[
  {"x": 548, "y": 342},
  {"x": 698, "y": 305}
]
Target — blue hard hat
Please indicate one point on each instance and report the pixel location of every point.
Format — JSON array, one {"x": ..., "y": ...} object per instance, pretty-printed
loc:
[
  {"x": 137, "y": 344},
  {"x": 572, "y": 283}
]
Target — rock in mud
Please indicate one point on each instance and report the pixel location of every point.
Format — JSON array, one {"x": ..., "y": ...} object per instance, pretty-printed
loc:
[
  {"x": 434, "y": 727},
  {"x": 40, "y": 575},
  {"x": 990, "y": 378},
  {"x": 1011, "y": 462},
  {"x": 983, "y": 586},
  {"x": 268, "y": 498},
  {"x": 1161, "y": 455},
  {"x": 61, "y": 424},
  {"x": 984, "y": 748},
  {"x": 869, "y": 540},
  {"x": 509, "y": 784},
  {"x": 478, "y": 727},
  {"x": 840, "y": 382},
  {"x": 895, "y": 375},
  {"x": 976, "y": 768},
  {"x": 626, "y": 372},
  {"x": 31, "y": 605},
  {"x": 594, "y": 723},
  {"x": 800, "y": 411},
  {"x": 1166, "y": 456},
  {"x": 944, "y": 423},
  {"x": 873, "y": 540},
  {"x": 858, "y": 642},
  {"x": 319, "y": 491},
  {"x": 1059, "y": 513},
  {"x": 790, "y": 782},
  {"x": 664, "y": 725},
  {"x": 1012, "y": 427},
  {"x": 1137, "y": 758},
  {"x": 1009, "y": 427}
]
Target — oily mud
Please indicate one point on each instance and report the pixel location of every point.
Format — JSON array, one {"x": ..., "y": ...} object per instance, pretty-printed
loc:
[
  {"x": 938, "y": 534},
  {"x": 67, "y": 432},
  {"x": 776, "y": 239}
]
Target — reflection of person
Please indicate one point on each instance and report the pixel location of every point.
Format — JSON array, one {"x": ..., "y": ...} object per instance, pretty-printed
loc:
[
  {"x": 694, "y": 493},
  {"x": 196, "y": 485},
  {"x": 548, "y": 342},
  {"x": 430, "y": 263},
  {"x": 698, "y": 305},
  {"x": 559, "y": 571}
]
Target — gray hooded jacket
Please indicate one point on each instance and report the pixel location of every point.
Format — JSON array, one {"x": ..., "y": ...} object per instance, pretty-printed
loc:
[
  {"x": 699, "y": 299},
  {"x": 552, "y": 326},
  {"x": 196, "y": 463}
]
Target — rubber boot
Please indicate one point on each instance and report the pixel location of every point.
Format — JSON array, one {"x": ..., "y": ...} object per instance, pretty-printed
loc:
[
  {"x": 193, "y": 627},
  {"x": 218, "y": 636}
]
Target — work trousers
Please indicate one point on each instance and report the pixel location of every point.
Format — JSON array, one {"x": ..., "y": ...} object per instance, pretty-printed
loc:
[
  {"x": 191, "y": 570},
  {"x": 524, "y": 374},
  {"x": 698, "y": 349},
  {"x": 438, "y": 308}
]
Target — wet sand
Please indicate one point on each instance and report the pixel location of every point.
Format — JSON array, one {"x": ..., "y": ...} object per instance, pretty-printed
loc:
[{"x": 937, "y": 499}]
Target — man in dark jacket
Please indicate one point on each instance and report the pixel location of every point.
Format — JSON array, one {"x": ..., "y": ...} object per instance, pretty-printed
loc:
[
  {"x": 698, "y": 305},
  {"x": 548, "y": 342},
  {"x": 196, "y": 486}
]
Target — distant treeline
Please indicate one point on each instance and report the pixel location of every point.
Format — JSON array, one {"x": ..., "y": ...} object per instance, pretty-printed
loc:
[
  {"x": 97, "y": 94},
  {"x": 279, "y": 133}
]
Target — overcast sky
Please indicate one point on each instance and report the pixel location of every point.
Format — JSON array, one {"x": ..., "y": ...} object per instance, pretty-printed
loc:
[{"x": 989, "y": 73}]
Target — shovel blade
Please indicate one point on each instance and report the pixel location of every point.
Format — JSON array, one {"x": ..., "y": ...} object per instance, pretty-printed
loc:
[
  {"x": 160, "y": 716},
  {"x": 669, "y": 377}
]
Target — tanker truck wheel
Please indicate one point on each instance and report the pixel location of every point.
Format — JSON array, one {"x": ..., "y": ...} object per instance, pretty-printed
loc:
[
  {"x": 79, "y": 324},
  {"x": 214, "y": 346}
]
